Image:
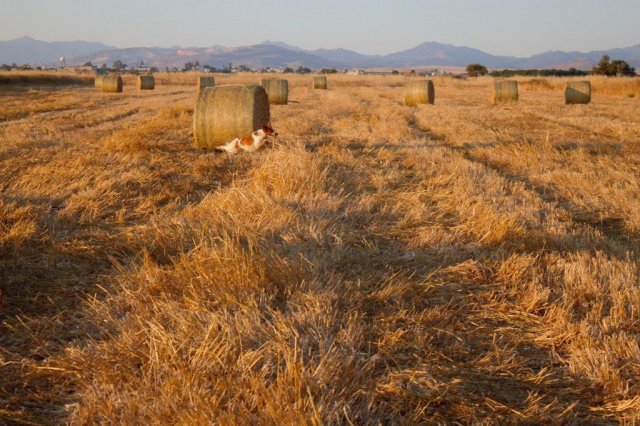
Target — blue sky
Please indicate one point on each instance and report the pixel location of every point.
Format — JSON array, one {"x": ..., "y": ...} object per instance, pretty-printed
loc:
[{"x": 506, "y": 27}]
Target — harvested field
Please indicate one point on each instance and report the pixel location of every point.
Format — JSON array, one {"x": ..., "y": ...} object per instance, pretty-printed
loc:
[{"x": 458, "y": 262}]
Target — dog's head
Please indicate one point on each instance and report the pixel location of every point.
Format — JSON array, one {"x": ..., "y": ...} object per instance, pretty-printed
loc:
[{"x": 269, "y": 131}]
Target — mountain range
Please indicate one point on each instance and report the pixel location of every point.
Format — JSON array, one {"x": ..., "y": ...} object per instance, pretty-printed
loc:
[{"x": 279, "y": 54}]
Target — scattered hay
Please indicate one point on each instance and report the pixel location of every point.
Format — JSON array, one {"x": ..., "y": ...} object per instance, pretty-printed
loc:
[
  {"x": 112, "y": 84},
  {"x": 146, "y": 82},
  {"x": 320, "y": 82},
  {"x": 277, "y": 90},
  {"x": 505, "y": 91},
  {"x": 419, "y": 92},
  {"x": 223, "y": 113},
  {"x": 577, "y": 92},
  {"x": 538, "y": 84}
]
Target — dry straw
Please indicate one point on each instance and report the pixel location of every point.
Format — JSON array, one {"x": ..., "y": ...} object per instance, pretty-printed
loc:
[
  {"x": 98, "y": 81},
  {"x": 577, "y": 92},
  {"x": 320, "y": 82},
  {"x": 223, "y": 113},
  {"x": 419, "y": 92},
  {"x": 505, "y": 91},
  {"x": 277, "y": 90},
  {"x": 204, "y": 82},
  {"x": 112, "y": 84},
  {"x": 146, "y": 82}
]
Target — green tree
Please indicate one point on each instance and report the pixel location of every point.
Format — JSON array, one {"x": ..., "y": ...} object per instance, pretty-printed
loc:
[
  {"x": 613, "y": 68},
  {"x": 328, "y": 71},
  {"x": 303, "y": 70},
  {"x": 622, "y": 68},
  {"x": 117, "y": 65},
  {"x": 474, "y": 70}
]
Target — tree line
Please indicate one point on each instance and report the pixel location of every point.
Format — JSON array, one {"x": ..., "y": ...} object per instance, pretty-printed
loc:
[{"x": 605, "y": 66}]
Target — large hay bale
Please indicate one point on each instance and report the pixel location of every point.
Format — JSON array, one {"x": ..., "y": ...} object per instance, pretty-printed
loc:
[
  {"x": 146, "y": 82},
  {"x": 112, "y": 84},
  {"x": 98, "y": 81},
  {"x": 577, "y": 92},
  {"x": 223, "y": 113},
  {"x": 277, "y": 90},
  {"x": 204, "y": 82},
  {"x": 505, "y": 91},
  {"x": 419, "y": 92},
  {"x": 320, "y": 82}
]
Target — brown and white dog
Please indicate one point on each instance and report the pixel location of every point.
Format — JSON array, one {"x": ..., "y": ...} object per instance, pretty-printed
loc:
[{"x": 257, "y": 140}]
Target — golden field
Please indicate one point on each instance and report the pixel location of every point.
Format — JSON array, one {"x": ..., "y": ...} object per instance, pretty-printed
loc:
[{"x": 451, "y": 263}]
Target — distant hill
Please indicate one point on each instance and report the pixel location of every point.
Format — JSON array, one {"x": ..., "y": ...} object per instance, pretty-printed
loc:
[
  {"x": 433, "y": 53},
  {"x": 259, "y": 55},
  {"x": 579, "y": 60},
  {"x": 26, "y": 50},
  {"x": 280, "y": 54}
]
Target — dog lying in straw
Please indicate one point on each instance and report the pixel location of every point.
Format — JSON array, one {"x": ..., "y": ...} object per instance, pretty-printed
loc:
[{"x": 252, "y": 143}]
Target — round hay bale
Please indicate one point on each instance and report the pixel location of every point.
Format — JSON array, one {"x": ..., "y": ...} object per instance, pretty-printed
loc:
[
  {"x": 505, "y": 91},
  {"x": 146, "y": 82},
  {"x": 204, "y": 82},
  {"x": 98, "y": 81},
  {"x": 223, "y": 113},
  {"x": 320, "y": 82},
  {"x": 277, "y": 90},
  {"x": 419, "y": 92},
  {"x": 112, "y": 84},
  {"x": 577, "y": 92}
]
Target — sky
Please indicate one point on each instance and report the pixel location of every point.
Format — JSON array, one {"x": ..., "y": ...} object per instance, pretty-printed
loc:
[{"x": 501, "y": 27}]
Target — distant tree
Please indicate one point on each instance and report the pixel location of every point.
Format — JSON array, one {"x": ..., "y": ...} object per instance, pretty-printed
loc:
[
  {"x": 188, "y": 66},
  {"x": 613, "y": 68},
  {"x": 5, "y": 67},
  {"x": 474, "y": 70},
  {"x": 506, "y": 73},
  {"x": 395, "y": 72},
  {"x": 303, "y": 70},
  {"x": 87, "y": 64},
  {"x": 288, "y": 70},
  {"x": 117, "y": 65},
  {"x": 328, "y": 71},
  {"x": 622, "y": 68},
  {"x": 244, "y": 68}
]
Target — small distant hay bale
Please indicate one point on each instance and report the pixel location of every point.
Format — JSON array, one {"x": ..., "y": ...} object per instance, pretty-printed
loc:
[
  {"x": 577, "y": 92},
  {"x": 98, "y": 81},
  {"x": 204, "y": 82},
  {"x": 505, "y": 91},
  {"x": 112, "y": 84},
  {"x": 418, "y": 92},
  {"x": 146, "y": 82},
  {"x": 277, "y": 90},
  {"x": 320, "y": 82},
  {"x": 223, "y": 113}
]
